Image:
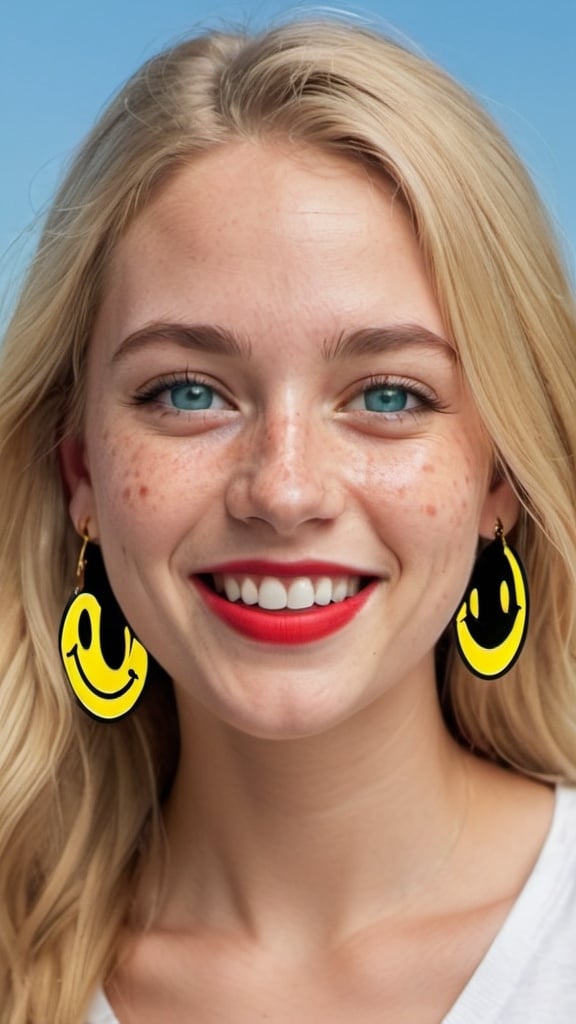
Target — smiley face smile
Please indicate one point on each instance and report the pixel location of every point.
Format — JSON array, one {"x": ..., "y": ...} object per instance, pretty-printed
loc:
[
  {"x": 132, "y": 678},
  {"x": 103, "y": 691}
]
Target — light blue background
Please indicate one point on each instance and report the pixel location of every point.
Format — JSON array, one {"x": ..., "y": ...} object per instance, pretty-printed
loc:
[{"x": 62, "y": 60}]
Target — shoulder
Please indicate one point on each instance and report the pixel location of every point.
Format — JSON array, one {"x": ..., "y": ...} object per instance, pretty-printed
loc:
[
  {"x": 554, "y": 876},
  {"x": 100, "y": 1011},
  {"x": 545, "y": 910},
  {"x": 529, "y": 974}
]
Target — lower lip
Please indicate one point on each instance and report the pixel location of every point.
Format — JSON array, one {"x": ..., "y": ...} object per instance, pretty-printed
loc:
[{"x": 288, "y": 628}]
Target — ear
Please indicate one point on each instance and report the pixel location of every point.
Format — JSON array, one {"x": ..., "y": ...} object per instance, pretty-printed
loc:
[
  {"x": 76, "y": 475},
  {"x": 501, "y": 503}
]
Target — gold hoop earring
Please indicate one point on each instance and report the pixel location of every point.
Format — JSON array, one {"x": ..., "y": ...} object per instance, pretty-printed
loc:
[
  {"x": 105, "y": 664},
  {"x": 492, "y": 620}
]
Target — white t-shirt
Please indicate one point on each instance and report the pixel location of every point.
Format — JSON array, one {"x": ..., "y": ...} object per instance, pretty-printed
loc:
[{"x": 528, "y": 975}]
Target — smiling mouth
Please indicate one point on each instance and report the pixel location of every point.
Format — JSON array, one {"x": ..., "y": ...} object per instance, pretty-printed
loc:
[
  {"x": 275, "y": 594},
  {"x": 247, "y": 610}
]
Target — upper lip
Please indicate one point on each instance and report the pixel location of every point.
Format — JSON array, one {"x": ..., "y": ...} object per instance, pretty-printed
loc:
[{"x": 263, "y": 567}]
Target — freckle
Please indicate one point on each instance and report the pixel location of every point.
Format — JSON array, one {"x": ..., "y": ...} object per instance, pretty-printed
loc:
[
  {"x": 427, "y": 468},
  {"x": 143, "y": 491},
  {"x": 431, "y": 510},
  {"x": 401, "y": 492},
  {"x": 126, "y": 493}
]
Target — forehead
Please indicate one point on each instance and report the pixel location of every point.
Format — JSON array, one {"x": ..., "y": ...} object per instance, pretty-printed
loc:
[
  {"x": 285, "y": 186},
  {"x": 294, "y": 229}
]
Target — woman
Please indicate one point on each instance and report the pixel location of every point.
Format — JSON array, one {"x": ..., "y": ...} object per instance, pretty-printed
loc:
[{"x": 295, "y": 350}]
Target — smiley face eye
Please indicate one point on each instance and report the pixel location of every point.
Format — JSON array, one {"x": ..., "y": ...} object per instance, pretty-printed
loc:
[
  {"x": 85, "y": 630},
  {"x": 504, "y": 596},
  {"x": 473, "y": 604}
]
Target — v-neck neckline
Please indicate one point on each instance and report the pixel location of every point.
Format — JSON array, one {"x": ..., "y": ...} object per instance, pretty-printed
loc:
[
  {"x": 493, "y": 982},
  {"x": 496, "y": 978}
]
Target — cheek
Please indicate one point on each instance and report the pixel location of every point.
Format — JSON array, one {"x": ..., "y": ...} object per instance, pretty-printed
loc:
[
  {"x": 424, "y": 503},
  {"x": 411, "y": 482},
  {"x": 149, "y": 485}
]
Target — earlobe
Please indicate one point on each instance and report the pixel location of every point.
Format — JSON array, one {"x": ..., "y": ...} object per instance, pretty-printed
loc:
[
  {"x": 502, "y": 504},
  {"x": 78, "y": 483}
]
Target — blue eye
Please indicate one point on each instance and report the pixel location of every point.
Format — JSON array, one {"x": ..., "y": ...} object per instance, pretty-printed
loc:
[
  {"x": 179, "y": 394},
  {"x": 386, "y": 399},
  {"x": 188, "y": 397}
]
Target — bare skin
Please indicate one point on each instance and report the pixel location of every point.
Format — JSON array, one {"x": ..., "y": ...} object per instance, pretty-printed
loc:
[
  {"x": 296, "y": 918},
  {"x": 333, "y": 854}
]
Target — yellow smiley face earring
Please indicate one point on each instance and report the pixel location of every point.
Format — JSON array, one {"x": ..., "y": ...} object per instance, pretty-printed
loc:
[
  {"x": 492, "y": 620},
  {"x": 105, "y": 664}
]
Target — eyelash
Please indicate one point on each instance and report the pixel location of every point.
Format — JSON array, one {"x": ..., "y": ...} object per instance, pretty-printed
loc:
[
  {"x": 150, "y": 392},
  {"x": 428, "y": 401},
  {"x": 427, "y": 398}
]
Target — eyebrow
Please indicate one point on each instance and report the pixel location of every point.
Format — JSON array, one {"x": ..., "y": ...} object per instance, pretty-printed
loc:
[
  {"x": 372, "y": 340},
  {"x": 201, "y": 337},
  {"x": 221, "y": 341}
]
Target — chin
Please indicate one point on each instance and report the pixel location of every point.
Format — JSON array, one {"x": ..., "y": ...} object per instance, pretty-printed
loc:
[{"x": 280, "y": 710}]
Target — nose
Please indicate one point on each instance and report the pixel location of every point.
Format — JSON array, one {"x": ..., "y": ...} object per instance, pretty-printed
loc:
[{"x": 287, "y": 475}]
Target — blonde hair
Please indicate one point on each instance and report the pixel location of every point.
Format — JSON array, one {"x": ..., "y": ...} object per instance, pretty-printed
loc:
[{"x": 76, "y": 814}]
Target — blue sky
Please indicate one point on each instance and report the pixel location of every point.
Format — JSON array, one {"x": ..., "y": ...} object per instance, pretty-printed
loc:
[{"x": 62, "y": 59}]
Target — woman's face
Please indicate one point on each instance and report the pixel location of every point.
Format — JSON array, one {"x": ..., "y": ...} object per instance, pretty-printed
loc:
[{"x": 274, "y": 408}]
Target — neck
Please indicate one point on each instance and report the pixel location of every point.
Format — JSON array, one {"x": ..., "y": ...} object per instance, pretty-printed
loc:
[{"x": 322, "y": 833}]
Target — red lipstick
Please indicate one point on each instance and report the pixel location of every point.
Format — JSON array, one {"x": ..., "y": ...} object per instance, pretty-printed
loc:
[
  {"x": 283, "y": 627},
  {"x": 264, "y": 567}
]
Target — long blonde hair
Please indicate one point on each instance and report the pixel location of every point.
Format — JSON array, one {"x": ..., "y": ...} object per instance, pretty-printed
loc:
[{"x": 79, "y": 801}]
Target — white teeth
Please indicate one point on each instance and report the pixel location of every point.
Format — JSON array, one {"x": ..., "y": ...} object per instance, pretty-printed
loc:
[
  {"x": 231, "y": 588},
  {"x": 273, "y": 594},
  {"x": 324, "y": 590},
  {"x": 301, "y": 593},
  {"x": 249, "y": 591}
]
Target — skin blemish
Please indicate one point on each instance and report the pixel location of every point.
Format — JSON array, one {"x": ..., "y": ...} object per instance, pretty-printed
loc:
[
  {"x": 126, "y": 493},
  {"x": 143, "y": 491},
  {"x": 427, "y": 468},
  {"x": 430, "y": 510}
]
